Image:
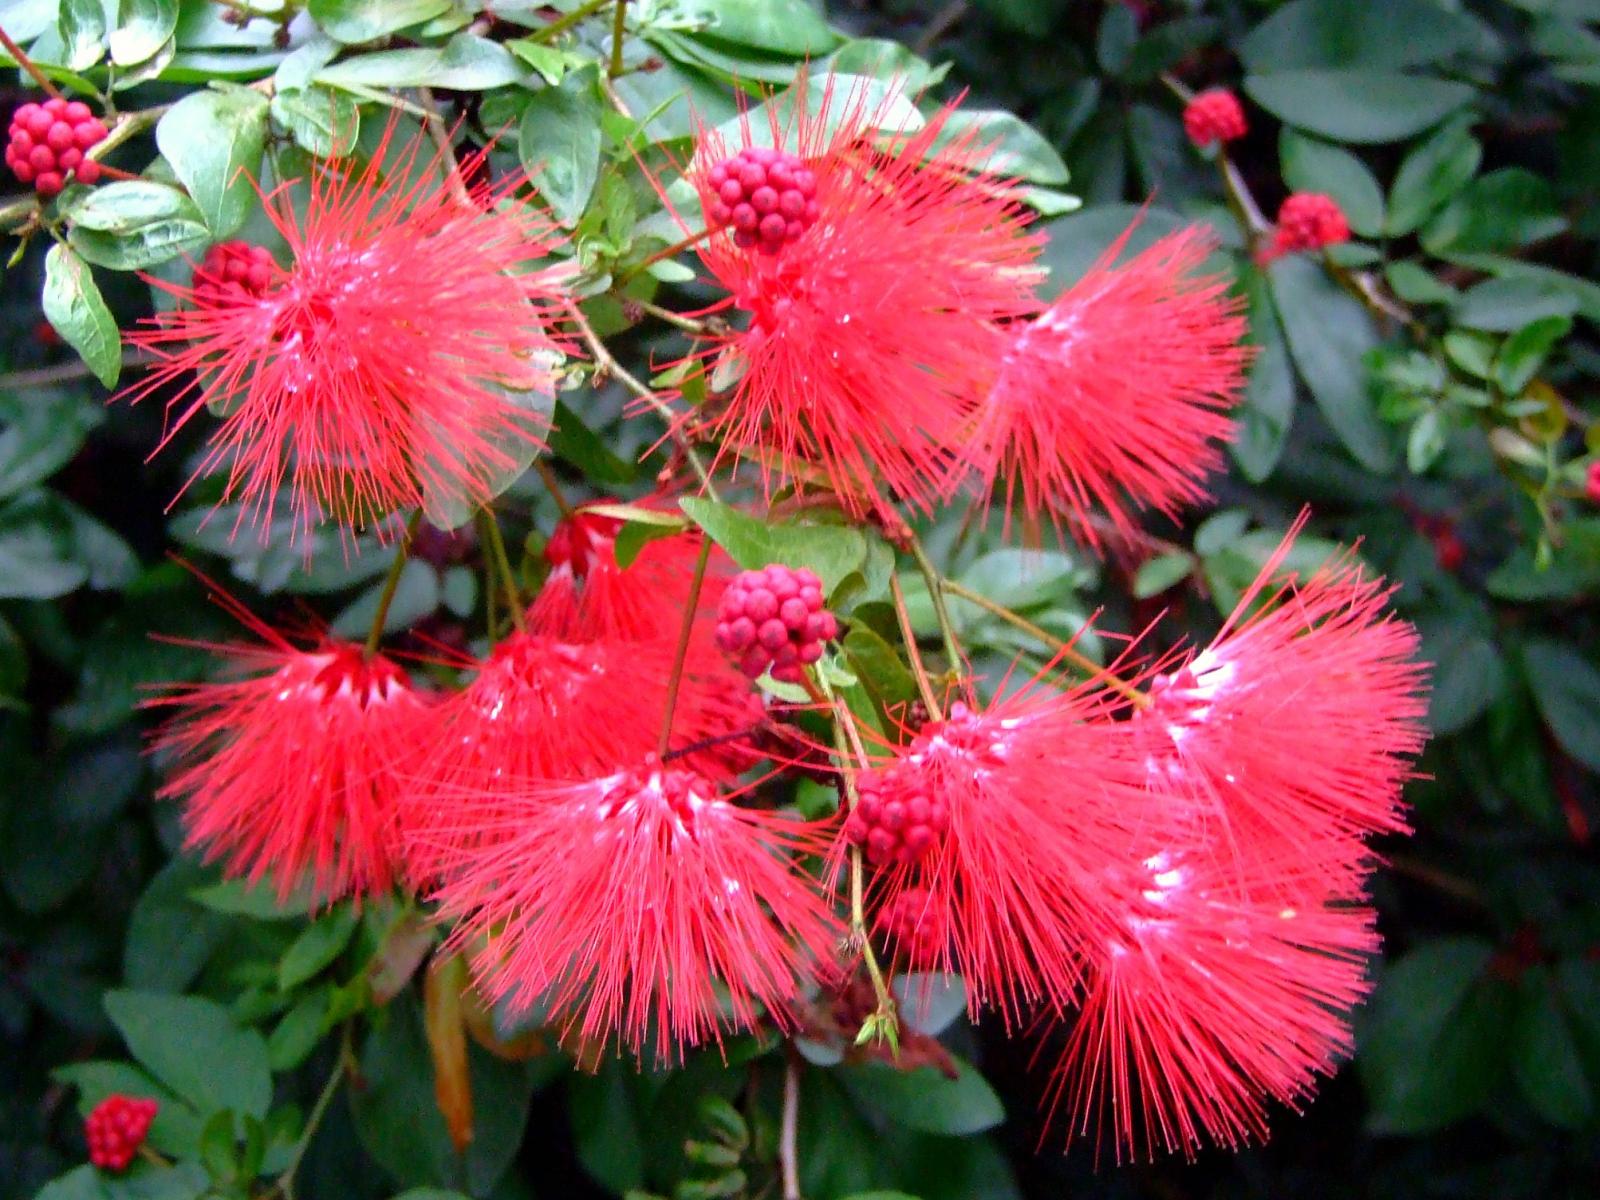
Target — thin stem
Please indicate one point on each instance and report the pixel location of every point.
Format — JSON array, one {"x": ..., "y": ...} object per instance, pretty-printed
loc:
[
  {"x": 28, "y": 65},
  {"x": 618, "y": 26},
  {"x": 447, "y": 153},
  {"x": 62, "y": 372},
  {"x": 285, "y": 1184},
  {"x": 502, "y": 562},
  {"x": 924, "y": 685},
  {"x": 936, "y": 583},
  {"x": 1240, "y": 198},
  {"x": 676, "y": 320},
  {"x": 789, "y": 1130},
  {"x": 563, "y": 23},
  {"x": 681, "y": 654},
  {"x": 553, "y": 486},
  {"x": 671, "y": 251},
  {"x": 391, "y": 583},
  {"x": 1063, "y": 649},
  {"x": 604, "y": 359}
]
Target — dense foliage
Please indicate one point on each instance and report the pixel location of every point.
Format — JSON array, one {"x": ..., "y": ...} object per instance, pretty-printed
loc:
[{"x": 1426, "y": 386}]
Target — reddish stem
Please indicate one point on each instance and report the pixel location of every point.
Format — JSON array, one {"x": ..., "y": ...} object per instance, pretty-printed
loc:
[{"x": 28, "y": 65}]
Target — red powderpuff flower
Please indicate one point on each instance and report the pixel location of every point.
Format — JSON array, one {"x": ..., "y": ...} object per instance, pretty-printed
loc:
[
  {"x": 1293, "y": 731},
  {"x": 382, "y": 366},
  {"x": 116, "y": 1128},
  {"x": 295, "y": 770},
  {"x": 1214, "y": 116},
  {"x": 868, "y": 321},
  {"x": 643, "y": 906},
  {"x": 1591, "y": 483},
  {"x": 1215, "y": 996},
  {"x": 589, "y": 596},
  {"x": 1006, "y": 820},
  {"x": 1306, "y": 221},
  {"x": 1116, "y": 398},
  {"x": 541, "y": 709}
]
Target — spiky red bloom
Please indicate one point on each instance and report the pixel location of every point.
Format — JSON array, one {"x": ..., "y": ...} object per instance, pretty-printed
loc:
[
  {"x": 1294, "y": 731},
  {"x": 1036, "y": 795},
  {"x": 295, "y": 770},
  {"x": 1215, "y": 996},
  {"x": 642, "y": 906},
  {"x": 588, "y": 596},
  {"x": 541, "y": 709},
  {"x": 1117, "y": 397},
  {"x": 1591, "y": 483},
  {"x": 392, "y": 361},
  {"x": 1214, "y": 116},
  {"x": 866, "y": 334}
]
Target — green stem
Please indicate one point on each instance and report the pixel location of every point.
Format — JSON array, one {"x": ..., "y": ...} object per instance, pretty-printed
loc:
[
  {"x": 936, "y": 583},
  {"x": 561, "y": 24},
  {"x": 285, "y": 1184},
  {"x": 1062, "y": 648},
  {"x": 502, "y": 562},
  {"x": 618, "y": 25},
  {"x": 553, "y": 486},
  {"x": 680, "y": 656},
  {"x": 924, "y": 684},
  {"x": 391, "y": 583}
]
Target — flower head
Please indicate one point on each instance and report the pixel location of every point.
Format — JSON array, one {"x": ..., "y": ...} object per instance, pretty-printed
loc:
[
  {"x": 1293, "y": 731},
  {"x": 403, "y": 354},
  {"x": 1116, "y": 398},
  {"x": 1307, "y": 221},
  {"x": 1214, "y": 116},
  {"x": 1216, "y": 995},
  {"x": 865, "y": 322},
  {"x": 295, "y": 770},
  {"x": 642, "y": 906},
  {"x": 540, "y": 709},
  {"x": 116, "y": 1128}
]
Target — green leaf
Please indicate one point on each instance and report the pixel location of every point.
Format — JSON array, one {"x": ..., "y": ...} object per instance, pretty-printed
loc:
[
  {"x": 465, "y": 63},
  {"x": 1329, "y": 335},
  {"x": 36, "y": 562},
  {"x": 353, "y": 21},
  {"x": 605, "y": 1128},
  {"x": 1466, "y": 673},
  {"x": 1502, "y": 305},
  {"x": 297, "y": 1033},
  {"x": 325, "y": 122},
  {"x": 1431, "y": 175},
  {"x": 1163, "y": 571},
  {"x": 1566, "y": 688},
  {"x": 83, "y": 32},
  {"x": 170, "y": 937},
  {"x": 1574, "y": 568},
  {"x": 787, "y": 27},
  {"x": 1078, "y": 241},
  {"x": 130, "y": 224},
  {"x": 560, "y": 143},
  {"x": 1431, "y": 1042},
  {"x": 318, "y": 945},
  {"x": 1311, "y": 165},
  {"x": 925, "y": 1100},
  {"x": 1014, "y": 148},
  {"x": 929, "y": 1003},
  {"x": 416, "y": 596},
  {"x": 214, "y": 142},
  {"x": 260, "y": 901},
  {"x": 1524, "y": 352},
  {"x": 832, "y": 551},
  {"x": 73, "y": 306},
  {"x": 184, "y": 1181},
  {"x": 1267, "y": 412},
  {"x": 183, "y": 1040},
  {"x": 574, "y": 442},
  {"x": 142, "y": 29},
  {"x": 1545, "y": 1058},
  {"x": 1363, "y": 106},
  {"x": 1337, "y": 33},
  {"x": 1502, "y": 210}
]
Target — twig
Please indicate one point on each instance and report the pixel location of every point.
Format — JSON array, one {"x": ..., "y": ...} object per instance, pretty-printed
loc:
[
  {"x": 946, "y": 19},
  {"x": 391, "y": 583},
  {"x": 1061, "y": 647},
  {"x": 618, "y": 28},
  {"x": 909, "y": 635},
  {"x": 285, "y": 1182},
  {"x": 936, "y": 584},
  {"x": 604, "y": 360},
  {"x": 563, "y": 23},
  {"x": 502, "y": 561},
  {"x": 28, "y": 65},
  {"x": 553, "y": 486},
  {"x": 681, "y": 654},
  {"x": 64, "y": 372},
  {"x": 447, "y": 152},
  {"x": 676, "y": 320},
  {"x": 789, "y": 1130}
]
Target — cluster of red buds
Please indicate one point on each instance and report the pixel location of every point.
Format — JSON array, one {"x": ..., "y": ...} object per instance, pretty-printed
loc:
[
  {"x": 48, "y": 143},
  {"x": 775, "y": 618},
  {"x": 116, "y": 1128}
]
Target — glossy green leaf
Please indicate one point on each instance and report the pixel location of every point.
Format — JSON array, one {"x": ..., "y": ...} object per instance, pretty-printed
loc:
[
  {"x": 925, "y": 1100},
  {"x": 1567, "y": 688},
  {"x": 354, "y": 21},
  {"x": 1357, "y": 105},
  {"x": 141, "y": 29},
  {"x": 73, "y": 305},
  {"x": 1312, "y": 165},
  {"x": 181, "y": 1039},
  {"x": 560, "y": 143},
  {"x": 214, "y": 142},
  {"x": 832, "y": 551},
  {"x": 1431, "y": 175}
]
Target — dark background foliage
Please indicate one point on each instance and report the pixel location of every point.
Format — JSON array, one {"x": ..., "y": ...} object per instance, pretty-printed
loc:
[{"x": 1443, "y": 423}]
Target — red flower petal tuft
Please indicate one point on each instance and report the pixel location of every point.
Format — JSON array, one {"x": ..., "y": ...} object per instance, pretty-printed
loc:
[
  {"x": 1215, "y": 115},
  {"x": 1115, "y": 399},
  {"x": 295, "y": 771},
  {"x": 386, "y": 364},
  {"x": 642, "y": 906},
  {"x": 867, "y": 333}
]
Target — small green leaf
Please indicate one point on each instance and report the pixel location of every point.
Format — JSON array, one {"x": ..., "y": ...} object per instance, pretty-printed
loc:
[
  {"x": 1363, "y": 106},
  {"x": 1524, "y": 352},
  {"x": 184, "y": 1040},
  {"x": 466, "y": 63},
  {"x": 325, "y": 122},
  {"x": 1431, "y": 175},
  {"x": 1312, "y": 165},
  {"x": 83, "y": 32},
  {"x": 1566, "y": 686},
  {"x": 142, "y": 29},
  {"x": 1163, "y": 571},
  {"x": 297, "y": 1032},
  {"x": 832, "y": 551},
  {"x": 1267, "y": 412},
  {"x": 73, "y": 306},
  {"x": 318, "y": 945},
  {"x": 560, "y": 143},
  {"x": 130, "y": 224},
  {"x": 1545, "y": 1059},
  {"x": 925, "y": 1100},
  {"x": 353, "y": 21}
]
